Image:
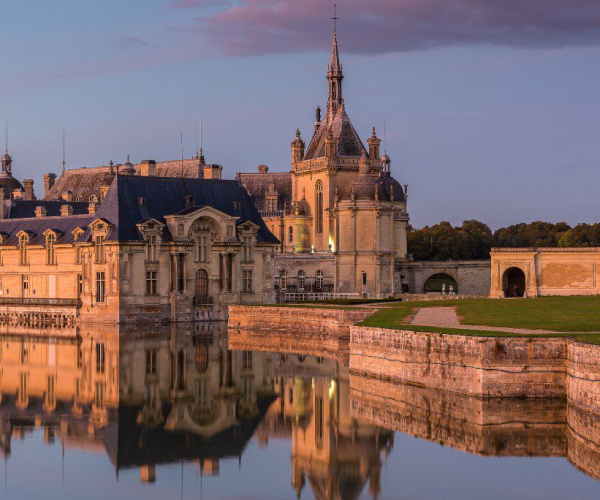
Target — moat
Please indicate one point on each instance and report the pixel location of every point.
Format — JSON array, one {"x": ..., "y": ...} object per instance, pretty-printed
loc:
[{"x": 195, "y": 411}]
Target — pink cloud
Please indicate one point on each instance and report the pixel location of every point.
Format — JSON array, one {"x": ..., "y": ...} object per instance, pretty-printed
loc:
[
  {"x": 378, "y": 26},
  {"x": 196, "y": 4}
]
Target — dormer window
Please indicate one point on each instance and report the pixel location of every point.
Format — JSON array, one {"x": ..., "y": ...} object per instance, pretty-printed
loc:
[
  {"x": 100, "y": 252},
  {"x": 50, "y": 254},
  {"x": 23, "y": 249},
  {"x": 202, "y": 248},
  {"x": 247, "y": 249},
  {"x": 152, "y": 248}
]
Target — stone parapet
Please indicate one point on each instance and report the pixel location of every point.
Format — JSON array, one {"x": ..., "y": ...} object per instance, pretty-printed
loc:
[{"x": 487, "y": 367}]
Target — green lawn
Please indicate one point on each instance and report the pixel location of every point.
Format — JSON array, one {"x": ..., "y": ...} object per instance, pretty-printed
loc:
[{"x": 560, "y": 314}]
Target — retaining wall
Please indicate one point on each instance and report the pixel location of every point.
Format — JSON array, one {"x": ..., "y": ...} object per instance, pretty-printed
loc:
[{"x": 488, "y": 367}]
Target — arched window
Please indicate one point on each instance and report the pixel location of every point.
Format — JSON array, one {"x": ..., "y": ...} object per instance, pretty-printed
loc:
[
  {"x": 319, "y": 207},
  {"x": 201, "y": 283},
  {"x": 23, "y": 250},
  {"x": 301, "y": 279},
  {"x": 319, "y": 280},
  {"x": 50, "y": 258}
]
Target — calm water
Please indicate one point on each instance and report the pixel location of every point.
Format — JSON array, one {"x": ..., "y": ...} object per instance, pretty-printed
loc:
[{"x": 176, "y": 413}]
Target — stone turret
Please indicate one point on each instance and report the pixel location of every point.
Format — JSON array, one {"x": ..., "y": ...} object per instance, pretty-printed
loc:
[{"x": 297, "y": 148}]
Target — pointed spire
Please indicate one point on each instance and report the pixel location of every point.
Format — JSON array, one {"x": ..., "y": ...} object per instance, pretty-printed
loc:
[{"x": 334, "y": 73}]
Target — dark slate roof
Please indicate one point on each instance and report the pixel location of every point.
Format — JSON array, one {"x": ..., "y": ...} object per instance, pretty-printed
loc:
[
  {"x": 37, "y": 226},
  {"x": 348, "y": 141},
  {"x": 86, "y": 182},
  {"x": 257, "y": 185},
  {"x": 21, "y": 209},
  {"x": 166, "y": 196}
]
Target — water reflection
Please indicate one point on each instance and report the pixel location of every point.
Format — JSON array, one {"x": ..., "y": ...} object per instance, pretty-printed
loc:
[{"x": 176, "y": 394}]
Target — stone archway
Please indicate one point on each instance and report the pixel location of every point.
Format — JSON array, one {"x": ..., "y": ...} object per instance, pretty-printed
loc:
[
  {"x": 513, "y": 282},
  {"x": 440, "y": 283}
]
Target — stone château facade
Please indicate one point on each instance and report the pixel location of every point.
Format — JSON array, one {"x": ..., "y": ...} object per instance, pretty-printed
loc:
[
  {"x": 155, "y": 248},
  {"x": 339, "y": 214}
]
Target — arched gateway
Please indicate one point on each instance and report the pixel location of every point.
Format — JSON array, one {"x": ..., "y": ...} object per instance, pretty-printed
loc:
[
  {"x": 513, "y": 282},
  {"x": 439, "y": 283}
]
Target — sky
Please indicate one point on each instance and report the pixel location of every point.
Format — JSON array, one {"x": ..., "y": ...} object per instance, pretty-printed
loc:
[{"x": 492, "y": 109}]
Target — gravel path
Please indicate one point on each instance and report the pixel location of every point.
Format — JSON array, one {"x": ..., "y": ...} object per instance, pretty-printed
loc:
[{"x": 446, "y": 317}]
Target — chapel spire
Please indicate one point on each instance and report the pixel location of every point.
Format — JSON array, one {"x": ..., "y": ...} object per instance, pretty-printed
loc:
[{"x": 334, "y": 73}]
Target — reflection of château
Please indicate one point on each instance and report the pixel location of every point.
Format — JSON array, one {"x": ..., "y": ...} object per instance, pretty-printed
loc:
[
  {"x": 336, "y": 454},
  {"x": 165, "y": 396}
]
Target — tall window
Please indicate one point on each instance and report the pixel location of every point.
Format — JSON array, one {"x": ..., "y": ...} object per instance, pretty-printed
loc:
[
  {"x": 319, "y": 280},
  {"x": 79, "y": 285},
  {"x": 152, "y": 248},
  {"x": 23, "y": 250},
  {"x": 100, "y": 357},
  {"x": 77, "y": 255},
  {"x": 247, "y": 360},
  {"x": 1, "y": 287},
  {"x": 100, "y": 248},
  {"x": 202, "y": 248},
  {"x": 50, "y": 256},
  {"x": 319, "y": 207},
  {"x": 247, "y": 280},
  {"x": 283, "y": 280},
  {"x": 246, "y": 249},
  {"x": 100, "y": 286},
  {"x": 301, "y": 279},
  {"x": 151, "y": 283},
  {"x": 201, "y": 283},
  {"x": 291, "y": 234},
  {"x": 151, "y": 362}
]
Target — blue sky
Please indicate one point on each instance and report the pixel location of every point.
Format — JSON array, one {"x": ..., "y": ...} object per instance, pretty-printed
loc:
[{"x": 492, "y": 111}]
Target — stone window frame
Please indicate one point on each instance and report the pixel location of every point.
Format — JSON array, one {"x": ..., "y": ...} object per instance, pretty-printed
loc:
[
  {"x": 152, "y": 282},
  {"x": 100, "y": 292},
  {"x": 207, "y": 227},
  {"x": 319, "y": 207},
  {"x": 247, "y": 278},
  {"x": 99, "y": 232},
  {"x": 248, "y": 236},
  {"x": 23, "y": 252}
]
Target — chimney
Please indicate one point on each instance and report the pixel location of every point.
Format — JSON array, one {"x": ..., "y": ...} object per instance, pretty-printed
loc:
[
  {"x": 67, "y": 196},
  {"x": 211, "y": 171},
  {"x": 103, "y": 190},
  {"x": 92, "y": 207},
  {"x": 28, "y": 184},
  {"x": 40, "y": 211},
  {"x": 49, "y": 179},
  {"x": 263, "y": 169},
  {"x": 66, "y": 210},
  {"x": 148, "y": 168}
]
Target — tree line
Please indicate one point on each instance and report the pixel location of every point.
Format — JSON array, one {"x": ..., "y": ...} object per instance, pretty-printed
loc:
[{"x": 473, "y": 240}]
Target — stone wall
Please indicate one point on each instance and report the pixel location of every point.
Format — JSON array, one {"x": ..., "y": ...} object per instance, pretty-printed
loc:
[
  {"x": 488, "y": 367},
  {"x": 472, "y": 276},
  {"x": 583, "y": 381},
  {"x": 316, "y": 320}
]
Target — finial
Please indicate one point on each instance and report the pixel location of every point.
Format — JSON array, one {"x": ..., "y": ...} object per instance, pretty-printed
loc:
[
  {"x": 335, "y": 18},
  {"x": 110, "y": 163},
  {"x": 318, "y": 114},
  {"x": 128, "y": 159},
  {"x": 298, "y": 133},
  {"x": 374, "y": 134}
]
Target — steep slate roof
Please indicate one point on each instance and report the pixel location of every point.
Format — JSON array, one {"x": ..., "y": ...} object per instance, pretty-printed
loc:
[
  {"x": 121, "y": 208},
  {"x": 21, "y": 209},
  {"x": 166, "y": 196},
  {"x": 37, "y": 226},
  {"x": 348, "y": 141},
  {"x": 85, "y": 182},
  {"x": 257, "y": 185}
]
